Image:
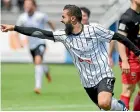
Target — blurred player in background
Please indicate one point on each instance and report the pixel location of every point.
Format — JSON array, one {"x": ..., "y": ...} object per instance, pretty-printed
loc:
[
  {"x": 129, "y": 25},
  {"x": 85, "y": 15},
  {"x": 84, "y": 42},
  {"x": 33, "y": 18}
]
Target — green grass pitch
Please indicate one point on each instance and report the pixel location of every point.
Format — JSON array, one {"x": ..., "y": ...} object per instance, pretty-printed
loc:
[{"x": 64, "y": 93}]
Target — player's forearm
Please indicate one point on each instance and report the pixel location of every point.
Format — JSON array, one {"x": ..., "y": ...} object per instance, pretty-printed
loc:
[
  {"x": 122, "y": 53},
  {"x": 127, "y": 43},
  {"x": 34, "y": 32},
  {"x": 111, "y": 47}
]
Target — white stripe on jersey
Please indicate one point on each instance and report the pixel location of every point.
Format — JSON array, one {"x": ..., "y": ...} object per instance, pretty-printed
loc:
[
  {"x": 37, "y": 20},
  {"x": 89, "y": 52}
]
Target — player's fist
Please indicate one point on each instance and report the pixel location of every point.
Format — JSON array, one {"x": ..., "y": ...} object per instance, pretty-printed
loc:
[{"x": 6, "y": 28}]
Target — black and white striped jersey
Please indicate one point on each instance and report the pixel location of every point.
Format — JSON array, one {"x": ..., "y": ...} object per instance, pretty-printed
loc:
[{"x": 89, "y": 52}]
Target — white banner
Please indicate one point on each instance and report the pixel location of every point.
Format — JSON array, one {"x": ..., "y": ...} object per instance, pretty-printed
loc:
[{"x": 11, "y": 51}]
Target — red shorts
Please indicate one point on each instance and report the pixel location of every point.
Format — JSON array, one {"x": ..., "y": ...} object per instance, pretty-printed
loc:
[{"x": 134, "y": 76}]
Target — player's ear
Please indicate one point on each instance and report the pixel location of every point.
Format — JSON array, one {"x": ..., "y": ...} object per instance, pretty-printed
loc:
[{"x": 73, "y": 18}]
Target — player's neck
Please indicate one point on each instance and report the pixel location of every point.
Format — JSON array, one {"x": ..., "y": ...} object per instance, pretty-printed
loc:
[
  {"x": 77, "y": 28},
  {"x": 135, "y": 8}
]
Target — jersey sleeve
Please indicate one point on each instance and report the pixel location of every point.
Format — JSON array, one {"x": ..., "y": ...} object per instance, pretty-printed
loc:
[
  {"x": 59, "y": 35},
  {"x": 102, "y": 33},
  {"x": 124, "y": 24}
]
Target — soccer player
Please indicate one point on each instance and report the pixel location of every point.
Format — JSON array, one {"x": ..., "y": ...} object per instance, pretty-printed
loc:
[
  {"x": 85, "y": 15},
  {"x": 129, "y": 26},
  {"x": 34, "y": 18},
  {"x": 85, "y": 44}
]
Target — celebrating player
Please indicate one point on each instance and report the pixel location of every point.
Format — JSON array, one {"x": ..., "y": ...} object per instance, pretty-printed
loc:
[
  {"x": 86, "y": 46},
  {"x": 85, "y": 15}
]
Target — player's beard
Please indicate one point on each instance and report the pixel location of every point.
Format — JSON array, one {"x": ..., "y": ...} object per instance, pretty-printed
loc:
[{"x": 68, "y": 28}]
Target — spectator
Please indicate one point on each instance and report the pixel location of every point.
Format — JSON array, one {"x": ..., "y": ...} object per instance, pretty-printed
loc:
[
  {"x": 6, "y": 4},
  {"x": 20, "y": 4}
]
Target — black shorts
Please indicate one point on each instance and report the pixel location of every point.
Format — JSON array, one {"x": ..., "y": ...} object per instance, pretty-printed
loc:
[
  {"x": 39, "y": 50},
  {"x": 107, "y": 84}
]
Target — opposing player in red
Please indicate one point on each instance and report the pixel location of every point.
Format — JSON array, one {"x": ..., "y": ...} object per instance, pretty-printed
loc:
[{"x": 129, "y": 25}]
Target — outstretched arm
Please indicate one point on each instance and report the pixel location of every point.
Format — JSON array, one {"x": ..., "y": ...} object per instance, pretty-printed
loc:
[{"x": 29, "y": 31}]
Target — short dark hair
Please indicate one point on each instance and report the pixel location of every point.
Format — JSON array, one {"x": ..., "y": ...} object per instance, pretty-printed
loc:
[
  {"x": 74, "y": 11},
  {"x": 86, "y": 10},
  {"x": 33, "y": 1}
]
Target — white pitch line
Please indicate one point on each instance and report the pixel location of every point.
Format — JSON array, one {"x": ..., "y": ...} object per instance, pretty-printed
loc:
[
  {"x": 19, "y": 107},
  {"x": 35, "y": 107}
]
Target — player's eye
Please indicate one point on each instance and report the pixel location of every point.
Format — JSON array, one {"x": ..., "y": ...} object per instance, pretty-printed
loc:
[{"x": 63, "y": 17}]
